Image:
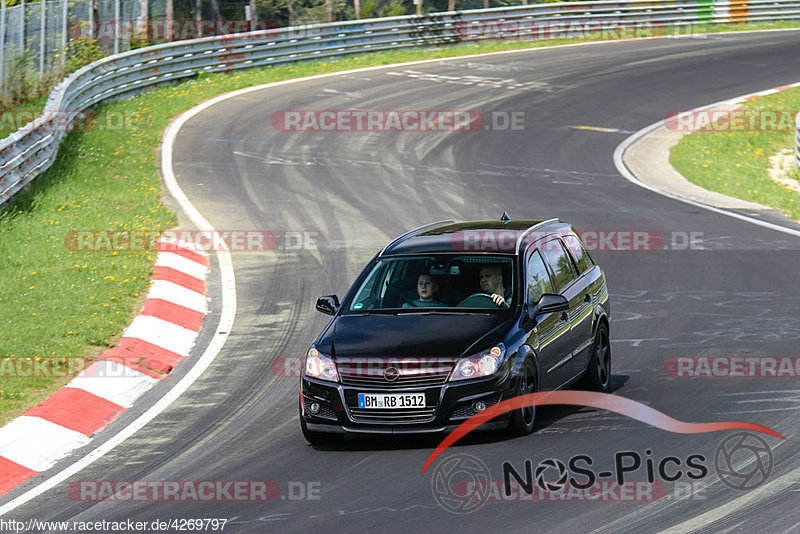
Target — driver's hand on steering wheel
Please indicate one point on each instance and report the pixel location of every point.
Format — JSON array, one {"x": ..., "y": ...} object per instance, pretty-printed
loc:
[{"x": 498, "y": 299}]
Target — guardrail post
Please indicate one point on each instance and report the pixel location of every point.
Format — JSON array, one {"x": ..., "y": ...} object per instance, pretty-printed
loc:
[
  {"x": 116, "y": 26},
  {"x": 168, "y": 22},
  {"x": 797, "y": 141},
  {"x": 63, "y": 33},
  {"x": 198, "y": 16},
  {"x": 22, "y": 27},
  {"x": 42, "y": 28},
  {"x": 2, "y": 44}
]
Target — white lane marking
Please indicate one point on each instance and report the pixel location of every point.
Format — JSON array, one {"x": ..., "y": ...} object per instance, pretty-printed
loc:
[
  {"x": 114, "y": 382},
  {"x": 761, "y": 494},
  {"x": 36, "y": 443},
  {"x": 624, "y": 171},
  {"x": 769, "y": 391},
  {"x": 169, "y": 291},
  {"x": 162, "y": 333},
  {"x": 180, "y": 263},
  {"x": 228, "y": 279},
  {"x": 638, "y": 341}
]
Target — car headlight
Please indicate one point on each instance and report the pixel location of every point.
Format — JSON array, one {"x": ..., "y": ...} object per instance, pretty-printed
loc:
[
  {"x": 320, "y": 366},
  {"x": 484, "y": 363}
]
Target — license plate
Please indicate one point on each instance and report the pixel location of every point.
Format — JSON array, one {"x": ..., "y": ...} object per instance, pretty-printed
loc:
[{"x": 391, "y": 401}]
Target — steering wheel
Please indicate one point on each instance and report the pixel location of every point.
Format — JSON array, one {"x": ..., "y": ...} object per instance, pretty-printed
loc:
[{"x": 477, "y": 300}]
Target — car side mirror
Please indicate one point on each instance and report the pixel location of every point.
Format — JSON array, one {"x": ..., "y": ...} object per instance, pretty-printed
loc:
[
  {"x": 328, "y": 304},
  {"x": 550, "y": 302},
  {"x": 547, "y": 303}
]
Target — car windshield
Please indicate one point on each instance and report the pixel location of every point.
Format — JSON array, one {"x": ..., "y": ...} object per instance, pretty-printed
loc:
[{"x": 452, "y": 283}]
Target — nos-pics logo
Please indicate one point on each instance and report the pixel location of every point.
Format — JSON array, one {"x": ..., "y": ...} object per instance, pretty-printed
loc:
[{"x": 461, "y": 483}]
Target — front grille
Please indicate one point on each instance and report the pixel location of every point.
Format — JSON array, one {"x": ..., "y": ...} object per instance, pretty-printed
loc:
[
  {"x": 413, "y": 372},
  {"x": 410, "y": 415}
]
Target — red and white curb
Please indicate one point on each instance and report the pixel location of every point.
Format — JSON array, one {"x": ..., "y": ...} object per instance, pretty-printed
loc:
[
  {"x": 158, "y": 338},
  {"x": 764, "y": 93}
]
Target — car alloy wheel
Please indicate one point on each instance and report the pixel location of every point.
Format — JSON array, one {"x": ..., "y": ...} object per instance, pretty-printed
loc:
[
  {"x": 598, "y": 375},
  {"x": 523, "y": 420}
]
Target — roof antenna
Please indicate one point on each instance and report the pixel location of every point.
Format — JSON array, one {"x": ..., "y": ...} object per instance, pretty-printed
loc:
[{"x": 505, "y": 217}]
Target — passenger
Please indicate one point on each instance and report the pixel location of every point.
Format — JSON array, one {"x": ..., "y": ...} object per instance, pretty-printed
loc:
[
  {"x": 426, "y": 290},
  {"x": 491, "y": 280}
]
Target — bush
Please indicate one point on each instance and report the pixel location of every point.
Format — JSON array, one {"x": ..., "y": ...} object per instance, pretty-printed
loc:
[
  {"x": 394, "y": 8},
  {"x": 19, "y": 84},
  {"x": 81, "y": 52}
]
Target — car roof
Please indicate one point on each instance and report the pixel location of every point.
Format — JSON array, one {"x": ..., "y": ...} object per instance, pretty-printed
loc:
[{"x": 499, "y": 237}]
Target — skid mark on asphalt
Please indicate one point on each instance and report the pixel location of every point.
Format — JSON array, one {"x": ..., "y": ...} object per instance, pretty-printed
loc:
[
  {"x": 487, "y": 66},
  {"x": 482, "y": 81},
  {"x": 770, "y": 397},
  {"x": 736, "y": 317},
  {"x": 329, "y": 91}
]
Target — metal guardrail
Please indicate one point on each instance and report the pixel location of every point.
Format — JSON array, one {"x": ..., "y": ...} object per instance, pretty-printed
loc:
[{"x": 31, "y": 150}]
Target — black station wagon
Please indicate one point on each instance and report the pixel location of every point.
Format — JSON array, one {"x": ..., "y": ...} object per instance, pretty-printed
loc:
[{"x": 452, "y": 318}]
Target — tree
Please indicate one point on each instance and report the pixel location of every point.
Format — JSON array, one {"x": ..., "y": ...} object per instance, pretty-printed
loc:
[{"x": 291, "y": 12}]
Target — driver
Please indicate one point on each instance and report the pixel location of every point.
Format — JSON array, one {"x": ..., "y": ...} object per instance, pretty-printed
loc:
[
  {"x": 491, "y": 281},
  {"x": 426, "y": 289}
]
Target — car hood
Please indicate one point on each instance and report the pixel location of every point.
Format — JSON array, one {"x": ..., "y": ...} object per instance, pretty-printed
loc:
[{"x": 412, "y": 334}]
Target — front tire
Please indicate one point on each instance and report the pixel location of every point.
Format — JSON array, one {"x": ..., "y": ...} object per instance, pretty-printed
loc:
[
  {"x": 598, "y": 375},
  {"x": 523, "y": 420}
]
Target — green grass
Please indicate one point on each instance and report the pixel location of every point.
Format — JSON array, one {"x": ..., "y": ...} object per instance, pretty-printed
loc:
[
  {"x": 57, "y": 302},
  {"x": 62, "y": 303},
  {"x": 11, "y": 119},
  {"x": 736, "y": 163}
]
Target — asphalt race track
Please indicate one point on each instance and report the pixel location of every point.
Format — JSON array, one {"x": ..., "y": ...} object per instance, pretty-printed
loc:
[{"x": 733, "y": 294}]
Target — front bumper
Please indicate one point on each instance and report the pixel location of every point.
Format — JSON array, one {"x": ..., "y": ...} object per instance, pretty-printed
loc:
[{"x": 446, "y": 406}]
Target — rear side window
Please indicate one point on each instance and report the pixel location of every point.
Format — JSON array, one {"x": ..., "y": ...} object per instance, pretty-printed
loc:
[
  {"x": 582, "y": 259},
  {"x": 559, "y": 262},
  {"x": 538, "y": 279}
]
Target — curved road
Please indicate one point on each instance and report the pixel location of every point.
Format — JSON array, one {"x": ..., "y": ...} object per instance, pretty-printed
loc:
[{"x": 357, "y": 190}]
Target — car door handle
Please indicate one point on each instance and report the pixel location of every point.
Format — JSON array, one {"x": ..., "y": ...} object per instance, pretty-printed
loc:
[
  {"x": 564, "y": 316},
  {"x": 587, "y": 298}
]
